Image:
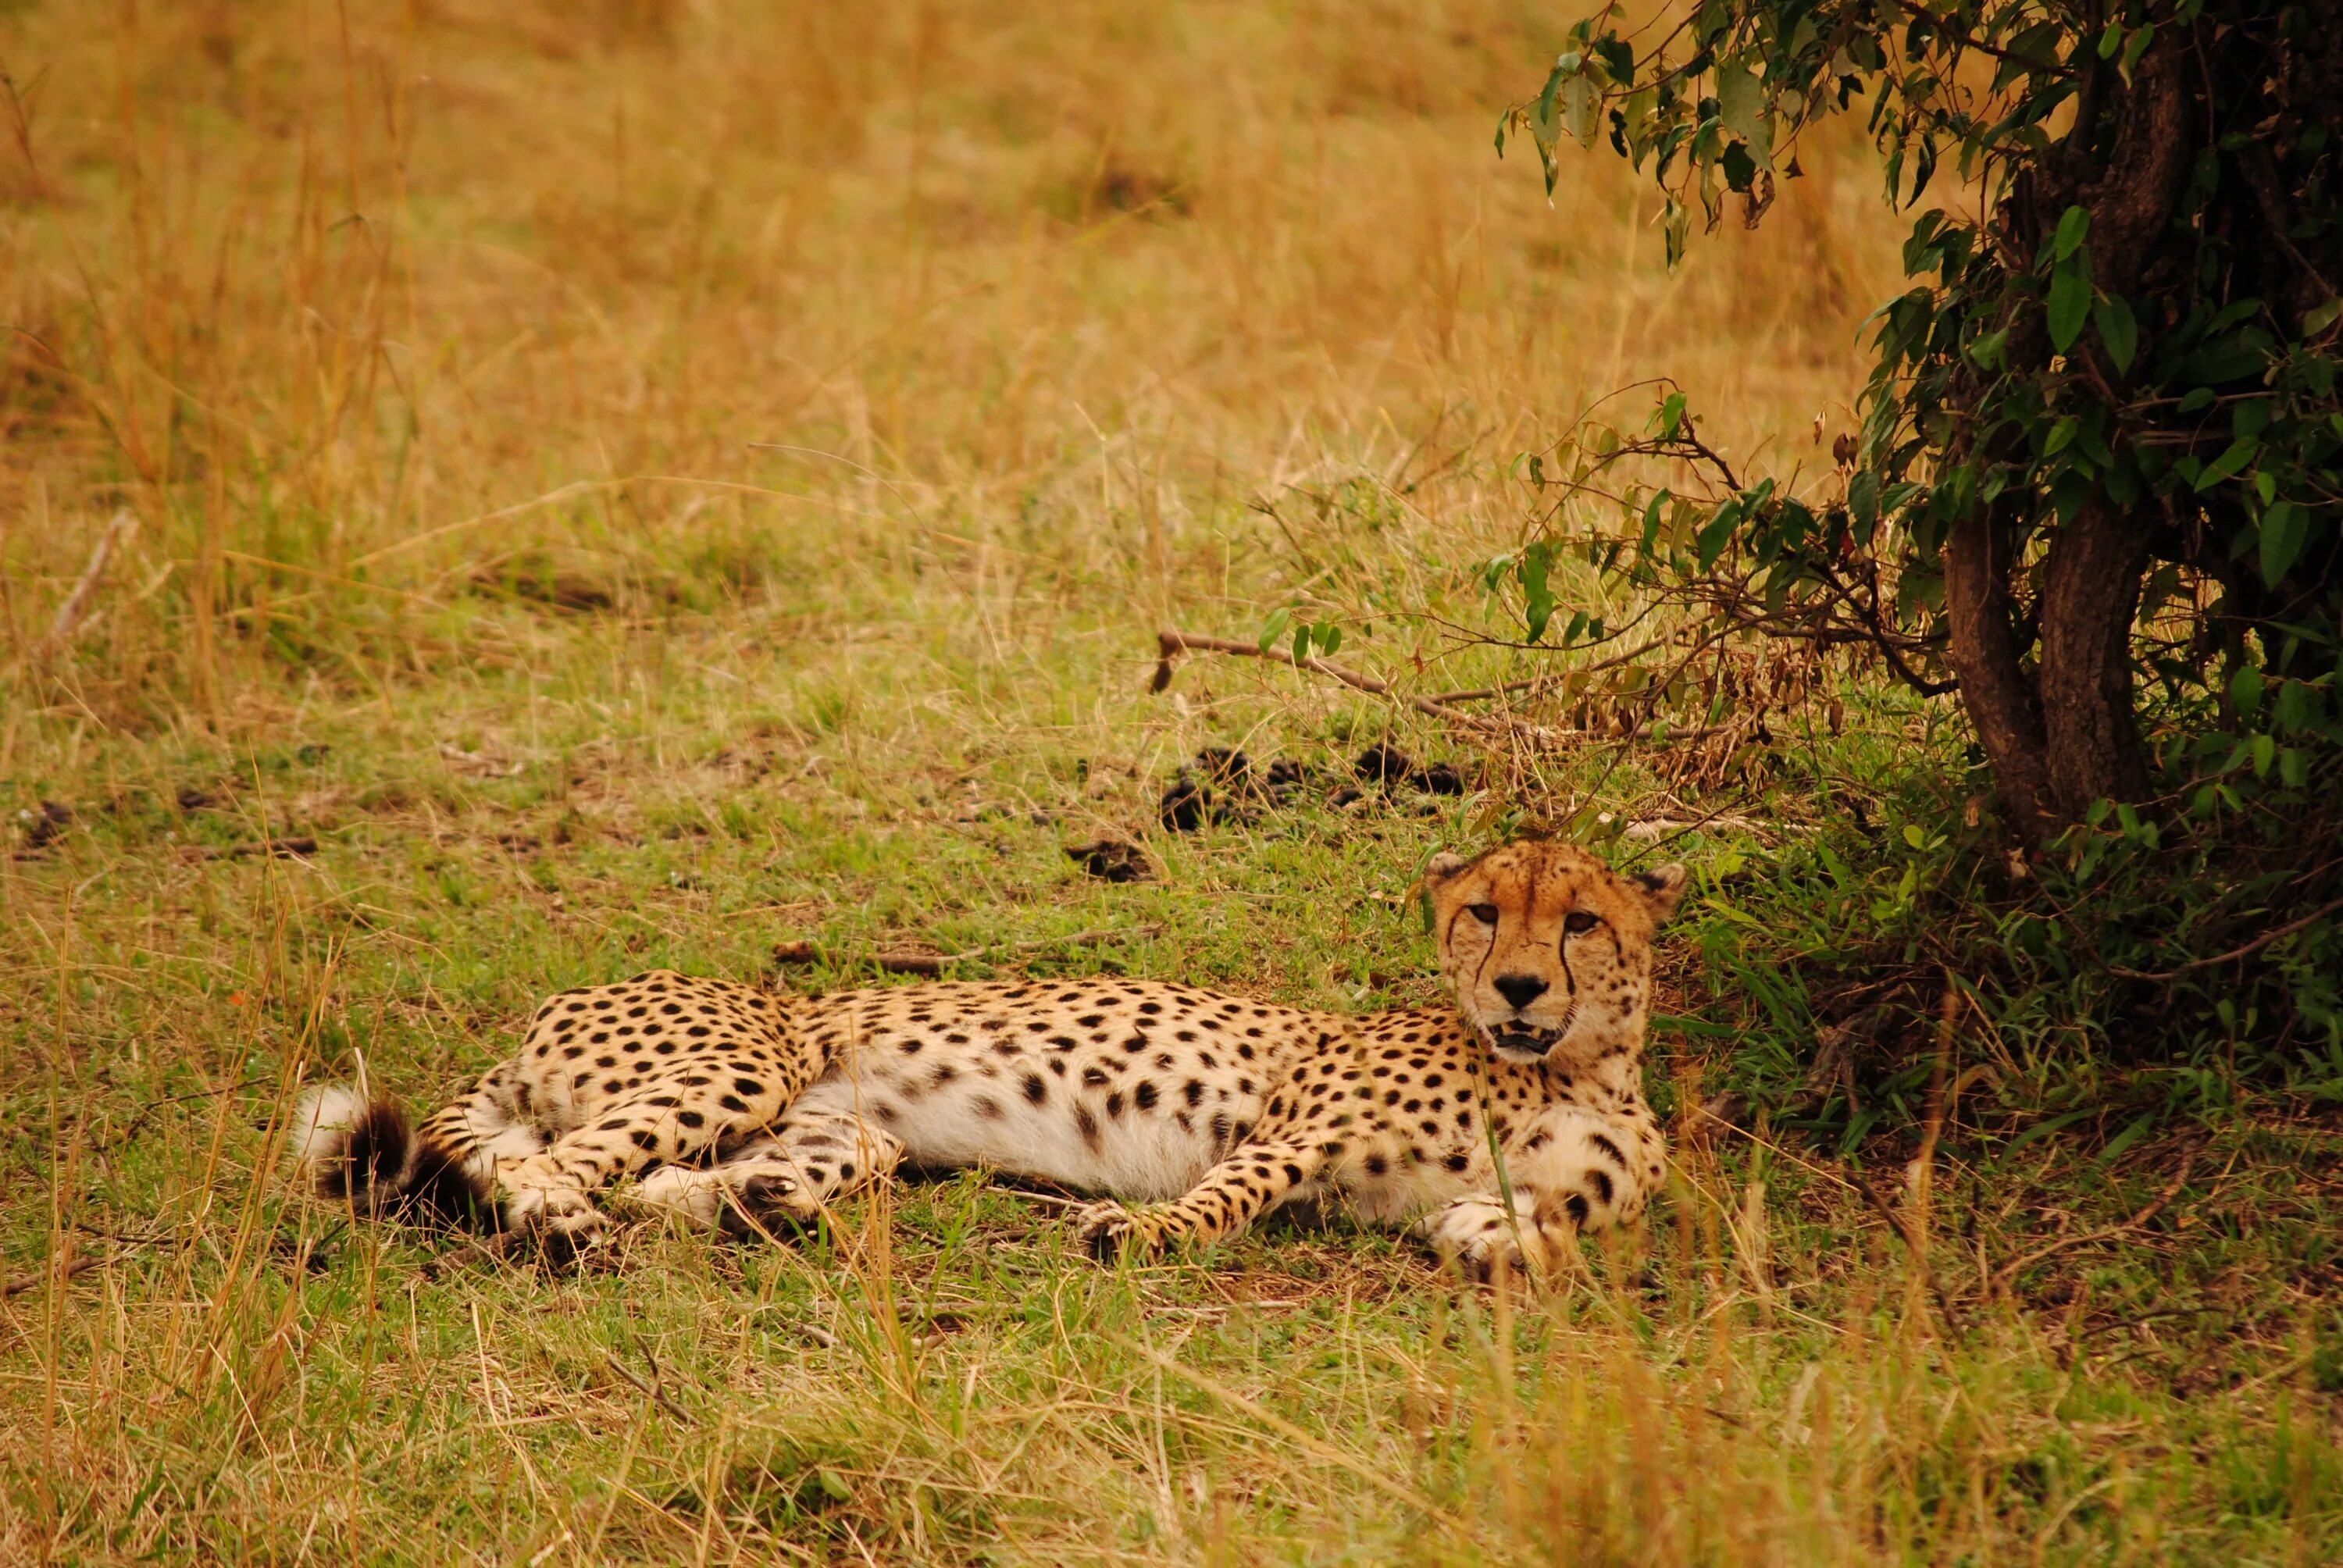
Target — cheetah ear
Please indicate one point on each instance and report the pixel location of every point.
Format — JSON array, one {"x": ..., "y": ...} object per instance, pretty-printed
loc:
[
  {"x": 1443, "y": 865},
  {"x": 1663, "y": 889}
]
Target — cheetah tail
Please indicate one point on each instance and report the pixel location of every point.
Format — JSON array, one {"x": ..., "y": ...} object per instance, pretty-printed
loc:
[{"x": 350, "y": 1148}]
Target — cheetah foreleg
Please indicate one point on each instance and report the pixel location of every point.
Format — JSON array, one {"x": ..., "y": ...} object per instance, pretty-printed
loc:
[
  {"x": 1252, "y": 1179},
  {"x": 1584, "y": 1171},
  {"x": 1574, "y": 1171}
]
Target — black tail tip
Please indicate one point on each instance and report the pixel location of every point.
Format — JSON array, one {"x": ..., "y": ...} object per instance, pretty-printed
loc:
[{"x": 350, "y": 1149}]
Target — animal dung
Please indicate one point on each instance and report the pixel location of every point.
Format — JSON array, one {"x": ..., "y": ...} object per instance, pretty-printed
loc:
[
  {"x": 1111, "y": 860},
  {"x": 1224, "y": 785}
]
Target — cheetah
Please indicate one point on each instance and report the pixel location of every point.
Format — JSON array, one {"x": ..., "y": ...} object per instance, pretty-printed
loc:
[{"x": 1500, "y": 1127}]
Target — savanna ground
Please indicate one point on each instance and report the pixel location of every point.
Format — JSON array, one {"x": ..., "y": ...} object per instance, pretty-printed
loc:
[{"x": 638, "y": 483}]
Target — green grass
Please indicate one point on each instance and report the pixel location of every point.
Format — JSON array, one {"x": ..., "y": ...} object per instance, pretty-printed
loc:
[{"x": 246, "y": 1376}]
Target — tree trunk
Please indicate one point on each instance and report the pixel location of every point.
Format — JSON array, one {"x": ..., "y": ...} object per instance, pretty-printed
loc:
[
  {"x": 2091, "y": 591},
  {"x": 2090, "y": 585},
  {"x": 2000, "y": 700},
  {"x": 2063, "y": 737}
]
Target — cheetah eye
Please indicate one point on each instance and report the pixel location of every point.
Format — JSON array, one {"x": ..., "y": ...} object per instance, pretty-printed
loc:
[
  {"x": 1485, "y": 913},
  {"x": 1578, "y": 922}
]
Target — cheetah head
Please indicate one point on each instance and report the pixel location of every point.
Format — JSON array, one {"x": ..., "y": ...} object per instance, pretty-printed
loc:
[{"x": 1549, "y": 950}]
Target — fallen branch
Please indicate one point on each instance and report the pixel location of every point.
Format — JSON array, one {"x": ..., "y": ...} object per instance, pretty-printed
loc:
[
  {"x": 1551, "y": 677},
  {"x": 2010, "y": 1271},
  {"x": 2248, "y": 950},
  {"x": 69, "y": 614},
  {"x": 1653, "y": 828}
]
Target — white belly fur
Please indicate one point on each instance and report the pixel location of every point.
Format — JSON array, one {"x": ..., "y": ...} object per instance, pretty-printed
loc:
[{"x": 1140, "y": 1158}]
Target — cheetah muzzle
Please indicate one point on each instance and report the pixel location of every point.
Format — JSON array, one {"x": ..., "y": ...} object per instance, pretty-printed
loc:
[{"x": 1191, "y": 1114}]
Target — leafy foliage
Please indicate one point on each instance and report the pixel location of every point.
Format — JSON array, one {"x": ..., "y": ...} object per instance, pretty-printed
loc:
[{"x": 2119, "y": 346}]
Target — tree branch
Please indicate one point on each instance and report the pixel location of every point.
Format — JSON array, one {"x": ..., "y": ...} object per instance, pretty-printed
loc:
[
  {"x": 2246, "y": 952},
  {"x": 1172, "y": 644}
]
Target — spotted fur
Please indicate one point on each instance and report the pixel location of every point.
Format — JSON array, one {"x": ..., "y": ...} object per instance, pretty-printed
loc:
[{"x": 1190, "y": 1112}]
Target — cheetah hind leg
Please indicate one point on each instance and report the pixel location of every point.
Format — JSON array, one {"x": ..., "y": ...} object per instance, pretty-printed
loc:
[
  {"x": 782, "y": 1184},
  {"x": 552, "y": 1193}
]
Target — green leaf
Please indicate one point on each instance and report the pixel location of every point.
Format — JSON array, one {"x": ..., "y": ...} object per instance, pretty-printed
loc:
[
  {"x": 1578, "y": 101},
  {"x": 2074, "y": 228},
  {"x": 1330, "y": 638},
  {"x": 2286, "y": 528},
  {"x": 2229, "y": 357},
  {"x": 2265, "y": 753},
  {"x": 2198, "y": 398},
  {"x": 2319, "y": 318},
  {"x": 1710, "y": 544},
  {"x": 2043, "y": 1129},
  {"x": 2070, "y": 298},
  {"x": 1302, "y": 642},
  {"x": 1536, "y": 563},
  {"x": 2118, "y": 330},
  {"x": 2137, "y": 45},
  {"x": 1274, "y": 627},
  {"x": 2233, "y": 461},
  {"x": 2125, "y": 1139},
  {"x": 1741, "y": 110},
  {"x": 2246, "y": 690}
]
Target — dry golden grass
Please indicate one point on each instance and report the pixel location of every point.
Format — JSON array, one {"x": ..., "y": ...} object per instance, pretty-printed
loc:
[
  {"x": 637, "y": 479},
  {"x": 356, "y": 290}
]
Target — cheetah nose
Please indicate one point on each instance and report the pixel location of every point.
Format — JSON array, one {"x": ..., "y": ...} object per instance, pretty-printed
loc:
[{"x": 1520, "y": 990}]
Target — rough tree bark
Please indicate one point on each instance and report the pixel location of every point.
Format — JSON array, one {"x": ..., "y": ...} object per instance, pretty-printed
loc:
[
  {"x": 2090, "y": 592},
  {"x": 1995, "y": 689},
  {"x": 2062, "y": 736}
]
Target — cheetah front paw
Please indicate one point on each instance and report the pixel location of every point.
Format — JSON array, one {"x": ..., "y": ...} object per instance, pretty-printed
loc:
[
  {"x": 1473, "y": 1235},
  {"x": 765, "y": 1206},
  {"x": 1106, "y": 1230}
]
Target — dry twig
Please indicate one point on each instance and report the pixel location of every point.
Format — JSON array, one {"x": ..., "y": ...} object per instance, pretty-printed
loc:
[
  {"x": 2016, "y": 1266},
  {"x": 651, "y": 1389},
  {"x": 118, "y": 533},
  {"x": 2246, "y": 952},
  {"x": 1174, "y": 643}
]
